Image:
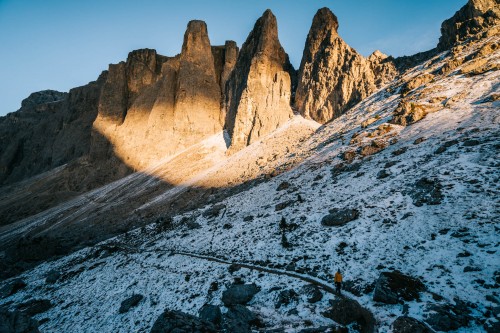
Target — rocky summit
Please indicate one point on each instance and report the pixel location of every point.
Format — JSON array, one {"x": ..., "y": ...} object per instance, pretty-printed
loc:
[
  {"x": 219, "y": 189},
  {"x": 259, "y": 89},
  {"x": 333, "y": 77}
]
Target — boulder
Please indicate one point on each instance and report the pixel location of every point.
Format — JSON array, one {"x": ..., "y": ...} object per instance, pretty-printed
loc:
[
  {"x": 239, "y": 319},
  {"x": 339, "y": 217},
  {"x": 347, "y": 311},
  {"x": 391, "y": 286},
  {"x": 259, "y": 89},
  {"x": 332, "y": 76},
  {"x": 416, "y": 82},
  {"x": 17, "y": 322},
  {"x": 211, "y": 313},
  {"x": 130, "y": 302},
  {"x": 313, "y": 293},
  {"x": 407, "y": 324},
  {"x": 239, "y": 294},
  {"x": 52, "y": 276},
  {"x": 374, "y": 147},
  {"x": 285, "y": 297},
  {"x": 12, "y": 287},
  {"x": 179, "y": 322}
]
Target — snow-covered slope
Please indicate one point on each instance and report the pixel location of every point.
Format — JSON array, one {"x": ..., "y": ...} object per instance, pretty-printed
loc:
[{"x": 427, "y": 197}]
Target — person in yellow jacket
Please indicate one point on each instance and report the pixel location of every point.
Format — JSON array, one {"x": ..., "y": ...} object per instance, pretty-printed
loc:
[{"x": 338, "y": 281}]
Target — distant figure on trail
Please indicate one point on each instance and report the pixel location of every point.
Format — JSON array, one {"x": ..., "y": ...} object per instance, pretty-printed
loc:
[{"x": 338, "y": 281}]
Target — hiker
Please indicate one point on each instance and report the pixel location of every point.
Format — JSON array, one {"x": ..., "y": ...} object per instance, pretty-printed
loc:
[{"x": 338, "y": 281}]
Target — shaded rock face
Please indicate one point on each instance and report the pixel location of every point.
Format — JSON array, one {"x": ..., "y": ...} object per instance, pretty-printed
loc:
[
  {"x": 474, "y": 17},
  {"x": 225, "y": 58},
  {"x": 332, "y": 76},
  {"x": 259, "y": 90},
  {"x": 17, "y": 322},
  {"x": 49, "y": 130}
]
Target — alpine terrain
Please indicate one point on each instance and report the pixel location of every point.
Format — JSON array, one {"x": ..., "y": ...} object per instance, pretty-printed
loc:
[{"x": 220, "y": 189}]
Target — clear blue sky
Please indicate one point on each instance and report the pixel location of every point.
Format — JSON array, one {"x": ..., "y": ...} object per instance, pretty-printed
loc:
[{"x": 60, "y": 44}]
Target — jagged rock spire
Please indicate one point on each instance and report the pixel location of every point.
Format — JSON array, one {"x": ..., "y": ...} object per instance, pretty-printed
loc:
[
  {"x": 332, "y": 76},
  {"x": 260, "y": 87}
]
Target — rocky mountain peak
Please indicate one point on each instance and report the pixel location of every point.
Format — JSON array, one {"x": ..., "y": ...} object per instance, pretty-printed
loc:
[
  {"x": 333, "y": 77},
  {"x": 325, "y": 19},
  {"x": 377, "y": 55},
  {"x": 259, "y": 90},
  {"x": 195, "y": 38},
  {"x": 264, "y": 36},
  {"x": 474, "y": 17},
  {"x": 482, "y": 6}
]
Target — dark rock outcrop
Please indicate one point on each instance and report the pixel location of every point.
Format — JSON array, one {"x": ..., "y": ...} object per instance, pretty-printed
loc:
[
  {"x": 17, "y": 322},
  {"x": 409, "y": 325},
  {"x": 446, "y": 317},
  {"x": 259, "y": 90},
  {"x": 239, "y": 294},
  {"x": 35, "y": 306},
  {"x": 427, "y": 191},
  {"x": 332, "y": 76},
  {"x": 42, "y": 97},
  {"x": 476, "y": 16},
  {"x": 390, "y": 287},
  {"x": 285, "y": 297},
  {"x": 339, "y": 216},
  {"x": 179, "y": 322}
]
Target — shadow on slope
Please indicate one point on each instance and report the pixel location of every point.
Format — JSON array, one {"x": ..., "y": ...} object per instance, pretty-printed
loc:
[{"x": 64, "y": 216}]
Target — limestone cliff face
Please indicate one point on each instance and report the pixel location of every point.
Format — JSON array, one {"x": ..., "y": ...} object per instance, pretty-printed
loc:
[
  {"x": 474, "y": 17},
  {"x": 197, "y": 105},
  {"x": 259, "y": 90},
  {"x": 332, "y": 76},
  {"x": 154, "y": 106}
]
